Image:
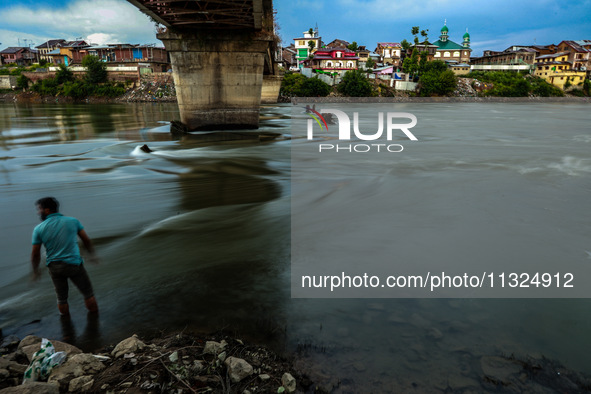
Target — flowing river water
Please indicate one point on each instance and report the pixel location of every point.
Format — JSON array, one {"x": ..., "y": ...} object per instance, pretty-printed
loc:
[{"x": 196, "y": 235}]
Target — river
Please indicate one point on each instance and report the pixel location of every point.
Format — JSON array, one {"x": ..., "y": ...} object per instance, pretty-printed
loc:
[{"x": 196, "y": 235}]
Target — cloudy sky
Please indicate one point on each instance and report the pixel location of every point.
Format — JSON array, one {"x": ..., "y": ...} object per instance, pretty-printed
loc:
[{"x": 492, "y": 24}]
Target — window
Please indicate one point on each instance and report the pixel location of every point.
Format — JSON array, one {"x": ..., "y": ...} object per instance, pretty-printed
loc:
[
  {"x": 339, "y": 54},
  {"x": 456, "y": 54},
  {"x": 329, "y": 64},
  {"x": 386, "y": 53},
  {"x": 437, "y": 54},
  {"x": 446, "y": 54},
  {"x": 339, "y": 64},
  {"x": 349, "y": 64}
]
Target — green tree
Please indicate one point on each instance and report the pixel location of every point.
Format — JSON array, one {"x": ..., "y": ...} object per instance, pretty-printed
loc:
[
  {"x": 355, "y": 84},
  {"x": 311, "y": 45},
  {"x": 291, "y": 84},
  {"x": 436, "y": 80},
  {"x": 405, "y": 44},
  {"x": 370, "y": 64},
  {"x": 96, "y": 71},
  {"x": 353, "y": 46},
  {"x": 410, "y": 65},
  {"x": 22, "y": 82},
  {"x": 64, "y": 74}
]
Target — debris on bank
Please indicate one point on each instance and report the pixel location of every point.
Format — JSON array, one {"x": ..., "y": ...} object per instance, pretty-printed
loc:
[
  {"x": 151, "y": 89},
  {"x": 177, "y": 364}
]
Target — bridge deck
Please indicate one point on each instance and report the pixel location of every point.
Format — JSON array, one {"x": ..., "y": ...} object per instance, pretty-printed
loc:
[{"x": 200, "y": 14}]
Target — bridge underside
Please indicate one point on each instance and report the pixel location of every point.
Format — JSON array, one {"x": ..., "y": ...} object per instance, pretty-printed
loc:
[
  {"x": 206, "y": 14},
  {"x": 219, "y": 50}
]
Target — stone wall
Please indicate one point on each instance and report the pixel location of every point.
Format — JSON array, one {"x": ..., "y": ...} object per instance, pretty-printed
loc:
[{"x": 7, "y": 81}]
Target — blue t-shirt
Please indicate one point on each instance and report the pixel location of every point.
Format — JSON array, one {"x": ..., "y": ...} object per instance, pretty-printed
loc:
[{"x": 59, "y": 235}]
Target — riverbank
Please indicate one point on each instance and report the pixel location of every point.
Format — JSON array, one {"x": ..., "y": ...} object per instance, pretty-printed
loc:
[
  {"x": 190, "y": 363},
  {"x": 161, "y": 89},
  {"x": 148, "y": 90},
  {"x": 174, "y": 363}
]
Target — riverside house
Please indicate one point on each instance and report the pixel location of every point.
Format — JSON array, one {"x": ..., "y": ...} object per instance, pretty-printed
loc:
[
  {"x": 557, "y": 70},
  {"x": 339, "y": 60},
  {"x": 22, "y": 56}
]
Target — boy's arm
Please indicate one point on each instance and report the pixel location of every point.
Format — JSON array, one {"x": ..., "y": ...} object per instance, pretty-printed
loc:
[{"x": 88, "y": 246}]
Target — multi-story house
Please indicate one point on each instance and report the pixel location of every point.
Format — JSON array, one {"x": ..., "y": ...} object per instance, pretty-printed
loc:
[
  {"x": 578, "y": 55},
  {"x": 288, "y": 55},
  {"x": 339, "y": 60},
  {"x": 303, "y": 47},
  {"x": 389, "y": 53},
  {"x": 337, "y": 43},
  {"x": 47, "y": 47},
  {"x": 69, "y": 52},
  {"x": 557, "y": 70},
  {"x": 22, "y": 56},
  {"x": 511, "y": 59}
]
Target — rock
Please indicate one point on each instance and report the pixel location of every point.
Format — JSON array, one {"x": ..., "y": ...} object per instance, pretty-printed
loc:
[
  {"x": 81, "y": 384},
  {"x": 78, "y": 365},
  {"x": 222, "y": 356},
  {"x": 12, "y": 366},
  {"x": 129, "y": 345},
  {"x": 499, "y": 369},
  {"x": 4, "y": 374},
  {"x": 32, "y": 388},
  {"x": 10, "y": 341},
  {"x": 197, "y": 366},
  {"x": 238, "y": 369},
  {"x": 174, "y": 357},
  {"x": 212, "y": 347},
  {"x": 29, "y": 340},
  {"x": 288, "y": 382},
  {"x": 264, "y": 377}
]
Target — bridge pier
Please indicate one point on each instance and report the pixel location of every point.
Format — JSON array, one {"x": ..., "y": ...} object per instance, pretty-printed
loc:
[
  {"x": 218, "y": 75},
  {"x": 271, "y": 87}
]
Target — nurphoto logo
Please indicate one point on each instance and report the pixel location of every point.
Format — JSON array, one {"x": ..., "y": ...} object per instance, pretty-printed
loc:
[{"x": 386, "y": 121}]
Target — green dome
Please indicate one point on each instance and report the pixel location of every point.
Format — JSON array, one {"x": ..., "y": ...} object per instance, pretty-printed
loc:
[
  {"x": 466, "y": 35},
  {"x": 444, "y": 29}
]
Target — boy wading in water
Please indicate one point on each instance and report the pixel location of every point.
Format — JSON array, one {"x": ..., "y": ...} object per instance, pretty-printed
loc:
[{"x": 58, "y": 233}]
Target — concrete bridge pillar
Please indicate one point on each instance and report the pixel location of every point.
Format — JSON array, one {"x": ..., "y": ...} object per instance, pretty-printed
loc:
[
  {"x": 271, "y": 87},
  {"x": 218, "y": 76}
]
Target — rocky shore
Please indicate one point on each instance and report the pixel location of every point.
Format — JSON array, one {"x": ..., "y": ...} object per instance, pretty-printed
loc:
[{"x": 177, "y": 363}]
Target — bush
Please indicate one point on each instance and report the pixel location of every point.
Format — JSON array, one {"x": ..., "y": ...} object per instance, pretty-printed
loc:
[
  {"x": 22, "y": 82},
  {"x": 542, "y": 88},
  {"x": 48, "y": 86},
  {"x": 313, "y": 87},
  {"x": 96, "y": 71},
  {"x": 436, "y": 82},
  {"x": 355, "y": 84},
  {"x": 108, "y": 91},
  {"x": 75, "y": 89},
  {"x": 64, "y": 75},
  {"x": 17, "y": 71},
  {"x": 291, "y": 83}
]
